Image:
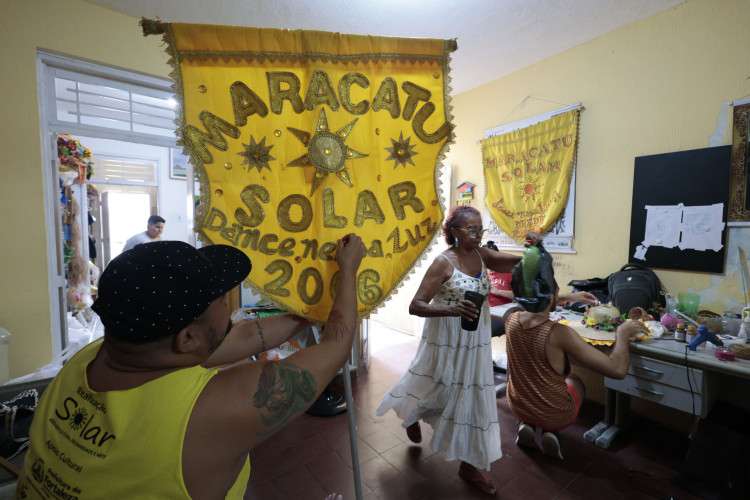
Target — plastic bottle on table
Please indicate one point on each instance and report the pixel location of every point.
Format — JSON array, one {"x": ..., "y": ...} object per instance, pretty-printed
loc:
[{"x": 671, "y": 303}]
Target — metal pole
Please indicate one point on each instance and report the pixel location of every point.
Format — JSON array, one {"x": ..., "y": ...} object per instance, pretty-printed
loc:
[
  {"x": 352, "y": 429},
  {"x": 190, "y": 201}
]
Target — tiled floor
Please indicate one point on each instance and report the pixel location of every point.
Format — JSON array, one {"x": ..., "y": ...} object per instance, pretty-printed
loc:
[{"x": 311, "y": 457}]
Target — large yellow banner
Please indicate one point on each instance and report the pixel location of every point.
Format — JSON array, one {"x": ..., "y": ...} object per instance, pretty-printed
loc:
[
  {"x": 527, "y": 173},
  {"x": 300, "y": 137}
]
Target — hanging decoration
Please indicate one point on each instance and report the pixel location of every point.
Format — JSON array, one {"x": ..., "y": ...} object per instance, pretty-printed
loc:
[
  {"x": 527, "y": 173},
  {"x": 465, "y": 192},
  {"x": 77, "y": 268},
  {"x": 74, "y": 164},
  {"x": 300, "y": 137},
  {"x": 73, "y": 158}
]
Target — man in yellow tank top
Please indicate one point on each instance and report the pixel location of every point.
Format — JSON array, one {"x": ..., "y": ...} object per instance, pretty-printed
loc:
[{"x": 140, "y": 414}]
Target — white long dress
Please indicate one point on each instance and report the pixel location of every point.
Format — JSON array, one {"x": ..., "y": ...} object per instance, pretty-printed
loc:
[{"x": 450, "y": 383}]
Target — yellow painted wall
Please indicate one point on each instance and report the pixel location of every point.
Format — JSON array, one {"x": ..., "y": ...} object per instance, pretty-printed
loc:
[
  {"x": 653, "y": 87},
  {"x": 75, "y": 28}
]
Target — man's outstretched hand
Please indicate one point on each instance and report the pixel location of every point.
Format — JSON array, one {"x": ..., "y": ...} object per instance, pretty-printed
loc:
[
  {"x": 349, "y": 252},
  {"x": 585, "y": 297},
  {"x": 631, "y": 329}
]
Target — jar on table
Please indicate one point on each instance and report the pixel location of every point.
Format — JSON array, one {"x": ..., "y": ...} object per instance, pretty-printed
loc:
[
  {"x": 680, "y": 333},
  {"x": 691, "y": 333}
]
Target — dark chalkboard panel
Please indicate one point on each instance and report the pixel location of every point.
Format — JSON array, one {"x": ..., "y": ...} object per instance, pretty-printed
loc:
[{"x": 695, "y": 177}]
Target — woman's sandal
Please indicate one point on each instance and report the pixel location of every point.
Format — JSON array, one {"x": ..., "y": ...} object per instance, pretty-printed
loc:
[
  {"x": 414, "y": 433},
  {"x": 480, "y": 481}
]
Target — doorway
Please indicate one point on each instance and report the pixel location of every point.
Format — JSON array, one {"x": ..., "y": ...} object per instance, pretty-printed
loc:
[
  {"x": 93, "y": 102},
  {"x": 125, "y": 213},
  {"x": 118, "y": 212}
]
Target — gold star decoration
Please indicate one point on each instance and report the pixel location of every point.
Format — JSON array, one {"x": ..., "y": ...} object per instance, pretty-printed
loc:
[
  {"x": 401, "y": 152},
  {"x": 326, "y": 151},
  {"x": 530, "y": 187},
  {"x": 257, "y": 155}
]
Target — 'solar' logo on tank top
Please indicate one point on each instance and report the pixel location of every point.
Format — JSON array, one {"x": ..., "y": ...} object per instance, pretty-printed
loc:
[{"x": 83, "y": 422}]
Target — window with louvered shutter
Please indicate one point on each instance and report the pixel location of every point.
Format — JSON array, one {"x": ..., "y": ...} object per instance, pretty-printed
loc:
[
  {"x": 84, "y": 99},
  {"x": 111, "y": 170}
]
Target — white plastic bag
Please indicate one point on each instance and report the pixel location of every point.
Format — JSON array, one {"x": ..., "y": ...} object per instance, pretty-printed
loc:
[
  {"x": 80, "y": 333},
  {"x": 657, "y": 329}
]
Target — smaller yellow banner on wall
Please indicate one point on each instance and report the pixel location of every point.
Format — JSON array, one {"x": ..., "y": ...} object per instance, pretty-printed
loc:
[{"x": 527, "y": 173}]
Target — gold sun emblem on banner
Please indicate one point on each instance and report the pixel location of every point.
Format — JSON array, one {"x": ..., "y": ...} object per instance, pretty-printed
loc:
[
  {"x": 530, "y": 187},
  {"x": 326, "y": 151},
  {"x": 401, "y": 152},
  {"x": 257, "y": 155}
]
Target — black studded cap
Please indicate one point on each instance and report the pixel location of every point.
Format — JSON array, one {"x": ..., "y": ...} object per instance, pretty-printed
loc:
[{"x": 156, "y": 289}]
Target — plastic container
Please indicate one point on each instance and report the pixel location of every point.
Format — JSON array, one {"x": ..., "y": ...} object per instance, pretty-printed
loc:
[
  {"x": 680, "y": 333},
  {"x": 530, "y": 263},
  {"x": 745, "y": 328},
  {"x": 688, "y": 303},
  {"x": 4, "y": 341},
  {"x": 711, "y": 320},
  {"x": 671, "y": 304},
  {"x": 730, "y": 324}
]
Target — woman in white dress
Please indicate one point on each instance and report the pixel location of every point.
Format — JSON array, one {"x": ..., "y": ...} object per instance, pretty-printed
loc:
[{"x": 450, "y": 383}]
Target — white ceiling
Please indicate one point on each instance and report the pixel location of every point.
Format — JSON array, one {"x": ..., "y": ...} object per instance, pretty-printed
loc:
[{"x": 495, "y": 37}]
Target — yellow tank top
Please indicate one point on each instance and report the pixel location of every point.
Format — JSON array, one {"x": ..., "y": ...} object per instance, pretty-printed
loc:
[{"x": 115, "y": 444}]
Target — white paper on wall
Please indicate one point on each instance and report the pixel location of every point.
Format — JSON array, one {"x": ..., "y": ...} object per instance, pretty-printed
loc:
[
  {"x": 640, "y": 252},
  {"x": 663, "y": 224},
  {"x": 688, "y": 228},
  {"x": 702, "y": 227}
]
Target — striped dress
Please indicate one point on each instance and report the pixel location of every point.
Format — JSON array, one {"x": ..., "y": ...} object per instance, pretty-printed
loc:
[
  {"x": 450, "y": 383},
  {"x": 536, "y": 393}
]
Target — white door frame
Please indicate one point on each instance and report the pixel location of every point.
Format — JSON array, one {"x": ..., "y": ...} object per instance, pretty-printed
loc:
[{"x": 48, "y": 63}]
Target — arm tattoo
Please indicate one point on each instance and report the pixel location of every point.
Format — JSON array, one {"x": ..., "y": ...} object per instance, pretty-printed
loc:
[
  {"x": 336, "y": 324},
  {"x": 284, "y": 390},
  {"x": 262, "y": 339}
]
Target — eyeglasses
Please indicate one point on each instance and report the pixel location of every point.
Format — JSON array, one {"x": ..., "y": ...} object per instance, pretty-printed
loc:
[{"x": 473, "y": 233}]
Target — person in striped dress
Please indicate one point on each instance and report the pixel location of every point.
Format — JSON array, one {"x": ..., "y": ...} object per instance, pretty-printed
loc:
[{"x": 541, "y": 390}]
